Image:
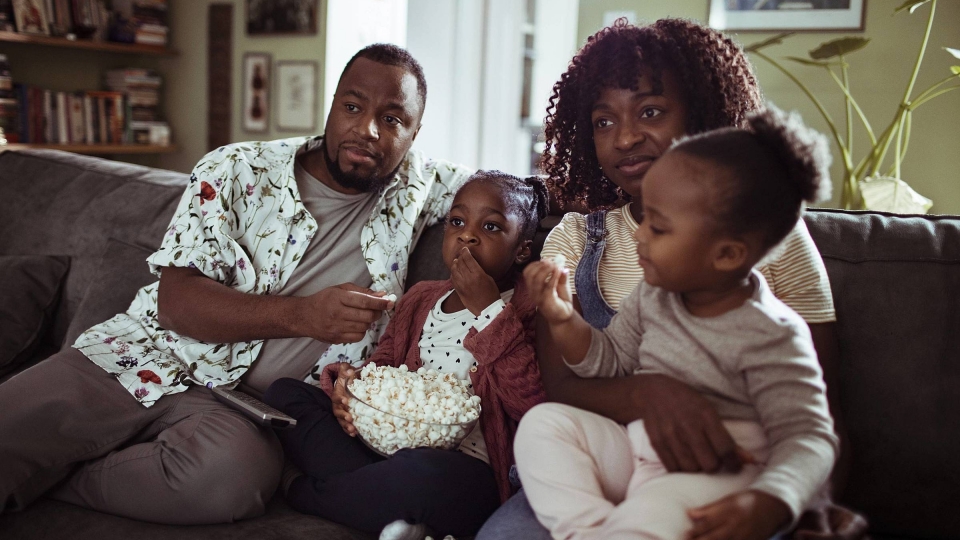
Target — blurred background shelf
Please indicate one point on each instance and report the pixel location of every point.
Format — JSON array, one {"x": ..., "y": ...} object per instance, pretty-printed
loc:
[
  {"x": 108, "y": 46},
  {"x": 97, "y": 149}
]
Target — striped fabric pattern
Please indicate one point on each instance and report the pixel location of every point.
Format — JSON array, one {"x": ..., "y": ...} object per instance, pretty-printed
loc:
[{"x": 794, "y": 271}]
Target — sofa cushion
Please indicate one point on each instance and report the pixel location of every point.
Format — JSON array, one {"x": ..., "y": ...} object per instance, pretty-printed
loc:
[
  {"x": 122, "y": 271},
  {"x": 896, "y": 288},
  {"x": 56, "y": 203},
  {"x": 48, "y": 518},
  {"x": 30, "y": 287}
]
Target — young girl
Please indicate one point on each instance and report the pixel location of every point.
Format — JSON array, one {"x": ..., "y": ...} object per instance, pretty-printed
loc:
[
  {"x": 478, "y": 325},
  {"x": 714, "y": 205}
]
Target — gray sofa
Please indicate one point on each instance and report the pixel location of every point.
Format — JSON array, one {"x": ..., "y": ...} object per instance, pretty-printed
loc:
[{"x": 89, "y": 223}]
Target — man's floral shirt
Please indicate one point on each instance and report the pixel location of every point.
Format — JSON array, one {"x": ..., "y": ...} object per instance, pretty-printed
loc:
[{"x": 242, "y": 223}]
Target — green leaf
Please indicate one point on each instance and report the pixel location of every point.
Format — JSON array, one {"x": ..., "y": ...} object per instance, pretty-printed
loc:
[
  {"x": 912, "y": 5},
  {"x": 775, "y": 40},
  {"x": 954, "y": 52},
  {"x": 818, "y": 63},
  {"x": 177, "y": 254},
  {"x": 955, "y": 70},
  {"x": 837, "y": 47}
]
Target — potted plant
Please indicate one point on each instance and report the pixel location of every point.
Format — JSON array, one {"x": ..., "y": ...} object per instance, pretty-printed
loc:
[{"x": 866, "y": 184}]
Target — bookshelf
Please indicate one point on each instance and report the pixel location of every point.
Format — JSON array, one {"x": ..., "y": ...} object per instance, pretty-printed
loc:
[
  {"x": 85, "y": 49},
  {"x": 97, "y": 149},
  {"x": 90, "y": 45}
]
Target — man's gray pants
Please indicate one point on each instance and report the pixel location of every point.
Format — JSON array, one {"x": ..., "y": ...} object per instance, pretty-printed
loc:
[{"x": 69, "y": 425}]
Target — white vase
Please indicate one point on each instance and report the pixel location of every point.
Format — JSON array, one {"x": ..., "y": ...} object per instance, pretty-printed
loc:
[{"x": 887, "y": 194}]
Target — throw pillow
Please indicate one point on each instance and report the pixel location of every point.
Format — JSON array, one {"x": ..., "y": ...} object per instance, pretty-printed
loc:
[
  {"x": 123, "y": 270},
  {"x": 29, "y": 292}
]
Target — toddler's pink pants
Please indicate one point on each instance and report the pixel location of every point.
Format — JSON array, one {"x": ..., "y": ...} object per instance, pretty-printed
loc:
[{"x": 587, "y": 476}]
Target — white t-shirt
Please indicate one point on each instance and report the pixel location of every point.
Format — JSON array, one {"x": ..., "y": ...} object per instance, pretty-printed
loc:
[{"x": 441, "y": 348}]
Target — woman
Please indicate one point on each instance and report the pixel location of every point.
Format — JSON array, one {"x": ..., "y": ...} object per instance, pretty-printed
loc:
[{"x": 628, "y": 93}]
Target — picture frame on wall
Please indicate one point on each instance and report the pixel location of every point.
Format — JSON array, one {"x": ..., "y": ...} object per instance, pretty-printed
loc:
[
  {"x": 281, "y": 17},
  {"x": 296, "y": 95},
  {"x": 256, "y": 92},
  {"x": 787, "y": 15},
  {"x": 31, "y": 17}
]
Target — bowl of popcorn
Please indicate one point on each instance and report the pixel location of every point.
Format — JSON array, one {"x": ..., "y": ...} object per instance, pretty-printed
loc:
[{"x": 395, "y": 408}]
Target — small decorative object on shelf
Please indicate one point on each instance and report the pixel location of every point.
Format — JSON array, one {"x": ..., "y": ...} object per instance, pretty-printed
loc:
[
  {"x": 31, "y": 17},
  {"x": 866, "y": 183},
  {"x": 6, "y": 16},
  {"x": 9, "y": 112}
]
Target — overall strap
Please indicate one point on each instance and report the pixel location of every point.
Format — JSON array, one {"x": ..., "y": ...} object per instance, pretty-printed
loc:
[{"x": 596, "y": 310}]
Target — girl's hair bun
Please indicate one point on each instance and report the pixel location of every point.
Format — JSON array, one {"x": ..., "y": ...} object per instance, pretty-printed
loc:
[{"x": 804, "y": 152}]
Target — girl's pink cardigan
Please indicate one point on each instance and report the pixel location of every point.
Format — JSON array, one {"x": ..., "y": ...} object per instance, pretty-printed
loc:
[{"x": 507, "y": 378}]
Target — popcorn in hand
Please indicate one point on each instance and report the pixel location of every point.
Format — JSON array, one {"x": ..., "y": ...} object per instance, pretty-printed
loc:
[{"x": 411, "y": 409}]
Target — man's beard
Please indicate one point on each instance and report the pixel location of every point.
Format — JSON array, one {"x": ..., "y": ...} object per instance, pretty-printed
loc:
[{"x": 366, "y": 184}]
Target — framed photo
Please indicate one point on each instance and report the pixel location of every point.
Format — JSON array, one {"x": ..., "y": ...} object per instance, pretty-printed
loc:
[
  {"x": 31, "y": 17},
  {"x": 281, "y": 17},
  {"x": 256, "y": 92},
  {"x": 296, "y": 95},
  {"x": 780, "y": 15}
]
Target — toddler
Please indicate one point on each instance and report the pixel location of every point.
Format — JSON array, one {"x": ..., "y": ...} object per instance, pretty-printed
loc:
[
  {"x": 713, "y": 206},
  {"x": 477, "y": 325}
]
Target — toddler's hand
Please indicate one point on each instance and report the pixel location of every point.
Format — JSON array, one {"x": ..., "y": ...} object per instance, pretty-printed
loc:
[
  {"x": 477, "y": 290},
  {"x": 547, "y": 283},
  {"x": 341, "y": 409},
  {"x": 747, "y": 515}
]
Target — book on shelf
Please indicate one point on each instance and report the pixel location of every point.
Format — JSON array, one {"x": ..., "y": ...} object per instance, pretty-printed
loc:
[
  {"x": 94, "y": 117},
  {"x": 7, "y": 23},
  {"x": 59, "y": 17},
  {"x": 9, "y": 120},
  {"x": 124, "y": 21},
  {"x": 142, "y": 21}
]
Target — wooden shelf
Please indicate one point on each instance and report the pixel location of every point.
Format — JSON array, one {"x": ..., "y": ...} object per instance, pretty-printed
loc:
[
  {"x": 108, "y": 46},
  {"x": 97, "y": 149}
]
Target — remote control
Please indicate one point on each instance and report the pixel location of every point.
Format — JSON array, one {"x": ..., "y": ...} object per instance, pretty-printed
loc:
[{"x": 259, "y": 411}]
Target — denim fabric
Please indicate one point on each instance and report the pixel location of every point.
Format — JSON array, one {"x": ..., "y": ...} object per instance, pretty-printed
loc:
[
  {"x": 596, "y": 310},
  {"x": 514, "y": 520}
]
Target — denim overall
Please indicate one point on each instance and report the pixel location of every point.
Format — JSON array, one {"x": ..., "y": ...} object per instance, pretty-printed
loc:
[
  {"x": 596, "y": 310},
  {"x": 515, "y": 519}
]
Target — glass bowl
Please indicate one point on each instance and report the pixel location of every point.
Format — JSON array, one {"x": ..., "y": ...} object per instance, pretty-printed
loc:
[{"x": 385, "y": 433}]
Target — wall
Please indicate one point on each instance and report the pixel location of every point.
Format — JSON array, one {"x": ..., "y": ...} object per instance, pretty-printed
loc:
[
  {"x": 878, "y": 76},
  {"x": 186, "y": 76}
]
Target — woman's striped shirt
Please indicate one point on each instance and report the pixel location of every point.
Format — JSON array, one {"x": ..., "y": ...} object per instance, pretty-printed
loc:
[{"x": 794, "y": 271}]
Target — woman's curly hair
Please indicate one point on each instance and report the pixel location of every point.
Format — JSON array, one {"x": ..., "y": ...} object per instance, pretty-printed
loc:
[{"x": 715, "y": 76}]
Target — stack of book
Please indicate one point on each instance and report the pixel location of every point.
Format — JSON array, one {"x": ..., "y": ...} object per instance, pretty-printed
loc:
[
  {"x": 50, "y": 117},
  {"x": 145, "y": 21},
  {"x": 90, "y": 18},
  {"x": 141, "y": 87}
]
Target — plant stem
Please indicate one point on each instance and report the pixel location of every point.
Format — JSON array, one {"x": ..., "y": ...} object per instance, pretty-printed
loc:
[
  {"x": 897, "y": 155},
  {"x": 849, "y": 188},
  {"x": 905, "y": 104},
  {"x": 849, "y": 109},
  {"x": 932, "y": 87},
  {"x": 923, "y": 50},
  {"x": 879, "y": 152},
  {"x": 920, "y": 102},
  {"x": 856, "y": 107},
  {"x": 908, "y": 124}
]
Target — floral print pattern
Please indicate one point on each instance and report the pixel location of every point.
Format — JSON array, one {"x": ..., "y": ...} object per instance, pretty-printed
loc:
[{"x": 242, "y": 223}]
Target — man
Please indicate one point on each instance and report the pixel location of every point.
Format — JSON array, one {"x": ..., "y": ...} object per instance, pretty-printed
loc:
[{"x": 277, "y": 250}]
